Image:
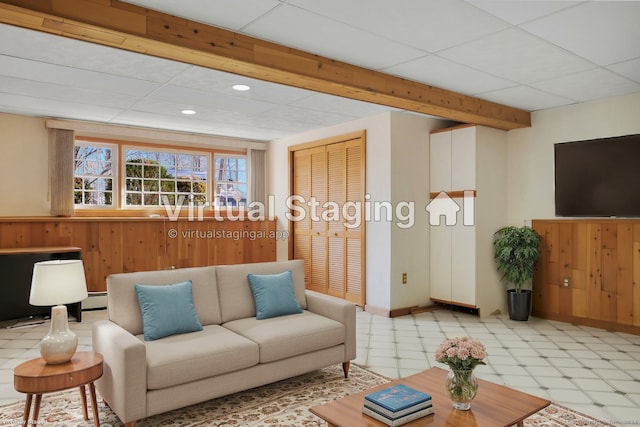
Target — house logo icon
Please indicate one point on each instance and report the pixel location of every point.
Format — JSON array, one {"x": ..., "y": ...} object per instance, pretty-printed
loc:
[{"x": 445, "y": 206}]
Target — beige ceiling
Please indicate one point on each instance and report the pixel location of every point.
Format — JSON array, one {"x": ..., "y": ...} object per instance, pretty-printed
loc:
[{"x": 526, "y": 54}]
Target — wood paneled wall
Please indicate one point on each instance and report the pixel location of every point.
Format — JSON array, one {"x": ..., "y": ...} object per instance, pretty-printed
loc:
[
  {"x": 115, "y": 245},
  {"x": 589, "y": 273}
]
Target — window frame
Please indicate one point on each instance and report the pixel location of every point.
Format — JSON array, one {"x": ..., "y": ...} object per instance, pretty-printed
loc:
[
  {"x": 115, "y": 165},
  {"x": 165, "y": 149},
  {"x": 227, "y": 182},
  {"x": 119, "y": 178}
]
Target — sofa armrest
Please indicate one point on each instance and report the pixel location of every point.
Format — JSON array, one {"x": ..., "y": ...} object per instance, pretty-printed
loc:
[
  {"x": 339, "y": 310},
  {"x": 123, "y": 384}
]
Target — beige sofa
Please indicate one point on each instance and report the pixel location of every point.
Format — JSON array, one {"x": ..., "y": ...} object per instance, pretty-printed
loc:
[{"x": 234, "y": 351}]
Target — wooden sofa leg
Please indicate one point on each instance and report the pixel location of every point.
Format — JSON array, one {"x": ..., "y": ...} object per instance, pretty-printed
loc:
[
  {"x": 345, "y": 368},
  {"x": 130, "y": 424}
]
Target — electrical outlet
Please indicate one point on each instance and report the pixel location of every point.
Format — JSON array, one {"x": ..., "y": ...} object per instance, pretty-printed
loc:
[
  {"x": 404, "y": 278},
  {"x": 565, "y": 282}
]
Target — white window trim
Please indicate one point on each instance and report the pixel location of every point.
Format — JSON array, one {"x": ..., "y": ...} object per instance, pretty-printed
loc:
[
  {"x": 195, "y": 151},
  {"x": 115, "y": 167},
  {"x": 247, "y": 183}
]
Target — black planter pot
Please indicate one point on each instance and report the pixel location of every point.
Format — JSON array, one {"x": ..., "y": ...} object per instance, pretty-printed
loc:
[{"x": 519, "y": 304}]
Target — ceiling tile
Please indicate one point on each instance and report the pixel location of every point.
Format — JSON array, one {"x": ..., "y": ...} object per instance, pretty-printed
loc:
[
  {"x": 442, "y": 73},
  {"x": 478, "y": 53},
  {"x": 429, "y": 25},
  {"x": 160, "y": 121},
  {"x": 518, "y": 12},
  {"x": 231, "y": 14},
  {"x": 516, "y": 55},
  {"x": 589, "y": 85},
  {"x": 72, "y": 77},
  {"x": 222, "y": 82},
  {"x": 19, "y": 104},
  {"x": 527, "y": 98},
  {"x": 604, "y": 32},
  {"x": 195, "y": 98},
  {"x": 303, "y": 115},
  {"x": 629, "y": 69},
  {"x": 61, "y": 93},
  {"x": 59, "y": 50},
  {"x": 297, "y": 28},
  {"x": 348, "y": 107}
]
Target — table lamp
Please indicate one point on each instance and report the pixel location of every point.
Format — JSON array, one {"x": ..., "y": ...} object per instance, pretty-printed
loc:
[{"x": 55, "y": 283}]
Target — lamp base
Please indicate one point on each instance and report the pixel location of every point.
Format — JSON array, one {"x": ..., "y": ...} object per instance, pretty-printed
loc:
[{"x": 60, "y": 344}]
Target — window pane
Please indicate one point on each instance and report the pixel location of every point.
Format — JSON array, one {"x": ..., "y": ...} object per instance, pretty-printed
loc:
[
  {"x": 231, "y": 180},
  {"x": 151, "y": 171},
  {"x": 94, "y": 174},
  {"x": 134, "y": 199},
  {"x": 151, "y": 185},
  {"x": 174, "y": 176},
  {"x": 153, "y": 177},
  {"x": 151, "y": 199},
  {"x": 168, "y": 185},
  {"x": 134, "y": 184}
]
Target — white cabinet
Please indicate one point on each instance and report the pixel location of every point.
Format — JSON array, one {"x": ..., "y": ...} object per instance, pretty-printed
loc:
[{"x": 467, "y": 161}]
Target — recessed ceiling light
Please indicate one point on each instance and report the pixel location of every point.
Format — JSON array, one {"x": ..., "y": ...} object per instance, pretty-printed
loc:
[
  {"x": 241, "y": 88},
  {"x": 188, "y": 112}
]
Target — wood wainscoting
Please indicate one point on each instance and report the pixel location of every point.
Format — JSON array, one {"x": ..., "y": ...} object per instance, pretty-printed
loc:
[
  {"x": 589, "y": 273},
  {"x": 115, "y": 245}
]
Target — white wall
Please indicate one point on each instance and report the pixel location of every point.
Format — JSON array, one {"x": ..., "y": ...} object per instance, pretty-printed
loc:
[
  {"x": 397, "y": 158},
  {"x": 410, "y": 184},
  {"x": 24, "y": 175},
  {"x": 530, "y": 172},
  {"x": 378, "y": 184}
]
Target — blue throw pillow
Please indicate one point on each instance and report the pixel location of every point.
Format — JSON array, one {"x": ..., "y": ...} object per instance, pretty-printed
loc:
[
  {"x": 167, "y": 310},
  {"x": 274, "y": 295}
]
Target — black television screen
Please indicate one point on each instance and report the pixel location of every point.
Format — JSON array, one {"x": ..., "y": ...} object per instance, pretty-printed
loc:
[{"x": 599, "y": 177}]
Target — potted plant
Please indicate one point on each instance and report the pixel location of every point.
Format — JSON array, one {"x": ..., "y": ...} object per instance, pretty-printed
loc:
[{"x": 516, "y": 253}]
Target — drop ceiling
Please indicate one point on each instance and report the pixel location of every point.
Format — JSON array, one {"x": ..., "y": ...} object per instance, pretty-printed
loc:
[{"x": 531, "y": 55}]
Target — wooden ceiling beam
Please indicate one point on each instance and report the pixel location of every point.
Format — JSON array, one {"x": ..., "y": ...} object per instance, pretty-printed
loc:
[{"x": 125, "y": 26}]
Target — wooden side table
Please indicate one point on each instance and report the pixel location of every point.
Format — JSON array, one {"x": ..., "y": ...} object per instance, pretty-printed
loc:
[{"x": 35, "y": 377}]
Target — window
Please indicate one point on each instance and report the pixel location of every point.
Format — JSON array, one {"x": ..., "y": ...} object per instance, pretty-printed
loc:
[
  {"x": 154, "y": 178},
  {"x": 231, "y": 180},
  {"x": 94, "y": 174},
  {"x": 119, "y": 175}
]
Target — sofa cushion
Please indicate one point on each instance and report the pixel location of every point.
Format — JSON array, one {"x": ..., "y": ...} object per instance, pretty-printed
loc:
[
  {"x": 167, "y": 310},
  {"x": 122, "y": 302},
  {"x": 184, "y": 358},
  {"x": 273, "y": 295},
  {"x": 287, "y": 336},
  {"x": 236, "y": 299}
]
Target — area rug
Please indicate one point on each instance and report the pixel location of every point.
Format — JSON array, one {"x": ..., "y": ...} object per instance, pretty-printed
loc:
[{"x": 282, "y": 404}]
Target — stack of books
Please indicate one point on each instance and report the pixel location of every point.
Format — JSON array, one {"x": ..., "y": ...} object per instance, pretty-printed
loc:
[{"x": 397, "y": 405}]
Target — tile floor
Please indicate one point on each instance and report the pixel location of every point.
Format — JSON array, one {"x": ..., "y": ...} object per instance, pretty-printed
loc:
[{"x": 590, "y": 370}]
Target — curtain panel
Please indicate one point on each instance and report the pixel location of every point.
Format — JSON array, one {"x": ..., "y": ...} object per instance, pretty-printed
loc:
[
  {"x": 258, "y": 176},
  {"x": 61, "y": 171}
]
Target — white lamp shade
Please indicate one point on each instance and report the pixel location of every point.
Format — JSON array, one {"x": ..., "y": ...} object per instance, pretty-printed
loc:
[{"x": 58, "y": 282}]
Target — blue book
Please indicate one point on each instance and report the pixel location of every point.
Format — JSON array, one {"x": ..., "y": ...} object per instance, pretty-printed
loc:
[
  {"x": 397, "y": 398},
  {"x": 394, "y": 422}
]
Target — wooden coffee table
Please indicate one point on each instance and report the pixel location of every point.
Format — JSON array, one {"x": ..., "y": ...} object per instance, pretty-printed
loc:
[
  {"x": 495, "y": 405},
  {"x": 36, "y": 377}
]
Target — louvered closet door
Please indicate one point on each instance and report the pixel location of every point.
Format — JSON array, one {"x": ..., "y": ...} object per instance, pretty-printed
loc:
[
  {"x": 354, "y": 234},
  {"x": 310, "y": 233},
  {"x": 318, "y": 226},
  {"x": 331, "y": 239},
  {"x": 337, "y": 190},
  {"x": 302, "y": 226}
]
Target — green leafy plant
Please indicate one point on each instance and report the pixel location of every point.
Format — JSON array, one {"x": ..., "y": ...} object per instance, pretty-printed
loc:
[{"x": 516, "y": 253}]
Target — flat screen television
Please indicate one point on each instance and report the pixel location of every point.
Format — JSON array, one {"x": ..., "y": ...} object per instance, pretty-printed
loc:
[{"x": 598, "y": 177}]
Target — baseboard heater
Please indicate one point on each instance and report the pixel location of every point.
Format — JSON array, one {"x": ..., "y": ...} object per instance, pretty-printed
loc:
[{"x": 95, "y": 301}]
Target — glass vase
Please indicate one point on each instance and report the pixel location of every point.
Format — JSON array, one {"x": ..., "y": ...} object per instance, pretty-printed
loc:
[{"x": 462, "y": 386}]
